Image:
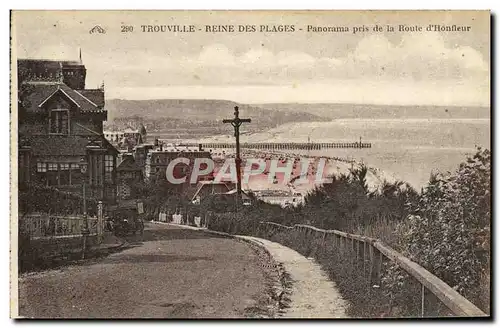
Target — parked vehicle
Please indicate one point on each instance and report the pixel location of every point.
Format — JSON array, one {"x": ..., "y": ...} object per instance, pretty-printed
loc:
[
  {"x": 125, "y": 219},
  {"x": 127, "y": 225}
]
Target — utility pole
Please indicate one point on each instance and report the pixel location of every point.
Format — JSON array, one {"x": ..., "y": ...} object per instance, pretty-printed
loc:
[{"x": 236, "y": 123}]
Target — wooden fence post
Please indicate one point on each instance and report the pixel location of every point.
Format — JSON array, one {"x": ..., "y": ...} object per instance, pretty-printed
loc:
[
  {"x": 377, "y": 266},
  {"x": 372, "y": 264},
  {"x": 422, "y": 310},
  {"x": 100, "y": 222},
  {"x": 364, "y": 258}
]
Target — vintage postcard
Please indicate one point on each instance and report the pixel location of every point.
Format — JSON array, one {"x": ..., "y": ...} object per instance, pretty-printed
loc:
[{"x": 250, "y": 164}]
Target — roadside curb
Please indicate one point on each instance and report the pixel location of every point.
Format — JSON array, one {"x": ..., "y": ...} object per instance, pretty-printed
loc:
[
  {"x": 306, "y": 288},
  {"x": 72, "y": 256},
  {"x": 109, "y": 248},
  {"x": 282, "y": 283}
]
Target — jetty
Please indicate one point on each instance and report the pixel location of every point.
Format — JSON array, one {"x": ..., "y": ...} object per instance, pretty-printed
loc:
[{"x": 283, "y": 145}]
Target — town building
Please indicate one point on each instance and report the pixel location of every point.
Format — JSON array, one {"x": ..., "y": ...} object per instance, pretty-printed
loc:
[
  {"x": 157, "y": 161},
  {"x": 140, "y": 154},
  {"x": 60, "y": 127},
  {"x": 128, "y": 175},
  {"x": 127, "y": 138}
]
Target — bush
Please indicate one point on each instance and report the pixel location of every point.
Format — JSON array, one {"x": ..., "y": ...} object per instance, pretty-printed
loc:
[
  {"x": 38, "y": 198},
  {"x": 448, "y": 231}
]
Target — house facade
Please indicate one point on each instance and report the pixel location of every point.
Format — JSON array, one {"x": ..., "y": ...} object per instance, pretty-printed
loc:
[
  {"x": 60, "y": 127},
  {"x": 128, "y": 175},
  {"x": 157, "y": 161},
  {"x": 126, "y": 139}
]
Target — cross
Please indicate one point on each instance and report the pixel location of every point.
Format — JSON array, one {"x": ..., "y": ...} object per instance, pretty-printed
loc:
[{"x": 236, "y": 123}]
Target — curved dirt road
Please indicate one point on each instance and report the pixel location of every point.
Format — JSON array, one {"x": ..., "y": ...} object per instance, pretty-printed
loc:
[{"x": 171, "y": 273}]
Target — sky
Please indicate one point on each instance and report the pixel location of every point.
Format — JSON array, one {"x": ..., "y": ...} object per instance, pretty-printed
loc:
[{"x": 404, "y": 68}]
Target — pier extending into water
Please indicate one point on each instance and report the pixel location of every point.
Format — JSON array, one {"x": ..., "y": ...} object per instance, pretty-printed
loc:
[{"x": 285, "y": 145}]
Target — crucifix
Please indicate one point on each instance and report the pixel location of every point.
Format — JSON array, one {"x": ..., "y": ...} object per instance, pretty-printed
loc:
[{"x": 236, "y": 123}]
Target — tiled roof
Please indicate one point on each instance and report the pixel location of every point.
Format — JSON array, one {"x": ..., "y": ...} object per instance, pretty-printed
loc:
[
  {"x": 44, "y": 145},
  {"x": 37, "y": 93},
  {"x": 55, "y": 145},
  {"x": 128, "y": 164},
  {"x": 44, "y": 69},
  {"x": 94, "y": 95},
  {"x": 105, "y": 143},
  {"x": 43, "y": 63}
]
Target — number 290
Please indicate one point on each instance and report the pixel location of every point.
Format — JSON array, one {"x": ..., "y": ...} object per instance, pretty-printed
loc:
[{"x": 127, "y": 28}]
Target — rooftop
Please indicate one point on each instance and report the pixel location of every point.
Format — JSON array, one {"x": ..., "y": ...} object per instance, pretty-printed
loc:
[
  {"x": 35, "y": 94},
  {"x": 55, "y": 145}
]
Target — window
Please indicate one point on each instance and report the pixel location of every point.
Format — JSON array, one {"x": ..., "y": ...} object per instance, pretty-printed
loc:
[
  {"x": 108, "y": 168},
  {"x": 64, "y": 174},
  {"x": 52, "y": 174},
  {"x": 75, "y": 175},
  {"x": 58, "y": 174},
  {"x": 41, "y": 167},
  {"x": 59, "y": 121}
]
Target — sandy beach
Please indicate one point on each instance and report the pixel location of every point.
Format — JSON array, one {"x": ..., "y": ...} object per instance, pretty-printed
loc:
[{"x": 332, "y": 167}]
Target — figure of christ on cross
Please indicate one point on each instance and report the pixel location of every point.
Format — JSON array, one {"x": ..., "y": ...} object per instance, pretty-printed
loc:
[{"x": 236, "y": 123}]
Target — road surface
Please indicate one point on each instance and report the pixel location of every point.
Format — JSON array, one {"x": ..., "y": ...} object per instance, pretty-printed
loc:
[{"x": 167, "y": 273}]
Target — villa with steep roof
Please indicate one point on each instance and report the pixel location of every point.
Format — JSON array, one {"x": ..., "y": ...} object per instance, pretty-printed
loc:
[{"x": 61, "y": 127}]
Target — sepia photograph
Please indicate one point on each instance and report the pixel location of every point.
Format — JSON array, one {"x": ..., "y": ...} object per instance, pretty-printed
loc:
[{"x": 197, "y": 164}]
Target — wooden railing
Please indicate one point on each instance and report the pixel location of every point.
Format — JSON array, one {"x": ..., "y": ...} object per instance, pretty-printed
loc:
[{"x": 375, "y": 250}]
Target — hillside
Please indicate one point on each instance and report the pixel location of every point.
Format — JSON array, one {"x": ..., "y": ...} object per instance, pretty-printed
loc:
[
  {"x": 197, "y": 110},
  {"x": 366, "y": 111}
]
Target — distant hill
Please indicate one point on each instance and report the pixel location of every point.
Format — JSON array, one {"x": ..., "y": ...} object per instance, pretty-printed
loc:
[
  {"x": 202, "y": 110},
  {"x": 193, "y": 116},
  {"x": 343, "y": 111}
]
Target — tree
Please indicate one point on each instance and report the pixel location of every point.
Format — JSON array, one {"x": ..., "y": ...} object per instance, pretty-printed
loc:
[{"x": 448, "y": 231}]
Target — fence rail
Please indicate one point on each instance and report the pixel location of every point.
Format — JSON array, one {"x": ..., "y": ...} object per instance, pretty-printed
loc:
[
  {"x": 458, "y": 304},
  {"x": 41, "y": 225}
]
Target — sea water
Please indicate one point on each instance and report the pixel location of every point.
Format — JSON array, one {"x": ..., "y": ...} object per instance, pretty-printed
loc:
[{"x": 408, "y": 149}]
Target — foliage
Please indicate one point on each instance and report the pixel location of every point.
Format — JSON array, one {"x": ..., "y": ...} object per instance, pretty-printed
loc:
[
  {"x": 448, "y": 231},
  {"x": 346, "y": 204},
  {"x": 39, "y": 198},
  {"x": 158, "y": 195}
]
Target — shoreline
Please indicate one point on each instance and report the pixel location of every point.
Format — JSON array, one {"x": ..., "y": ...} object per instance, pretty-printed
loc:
[{"x": 334, "y": 166}]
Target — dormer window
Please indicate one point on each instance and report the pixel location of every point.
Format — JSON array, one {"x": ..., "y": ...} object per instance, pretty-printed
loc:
[{"x": 59, "y": 121}]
